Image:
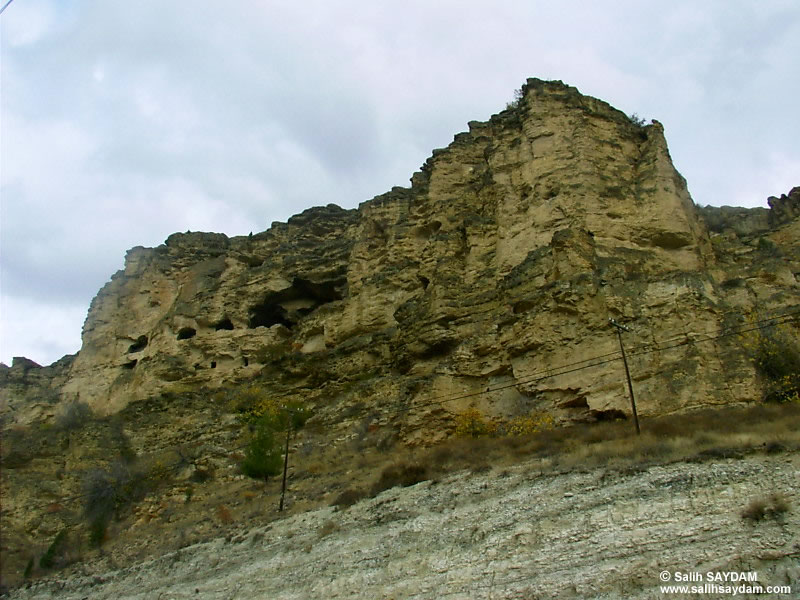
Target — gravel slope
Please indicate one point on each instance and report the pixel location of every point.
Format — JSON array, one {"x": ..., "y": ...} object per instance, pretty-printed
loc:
[{"x": 516, "y": 534}]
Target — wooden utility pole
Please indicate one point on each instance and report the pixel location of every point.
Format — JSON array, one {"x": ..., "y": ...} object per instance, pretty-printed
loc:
[
  {"x": 620, "y": 329},
  {"x": 285, "y": 461}
]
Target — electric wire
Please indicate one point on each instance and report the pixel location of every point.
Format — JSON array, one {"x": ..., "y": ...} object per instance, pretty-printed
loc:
[
  {"x": 542, "y": 375},
  {"x": 5, "y": 6}
]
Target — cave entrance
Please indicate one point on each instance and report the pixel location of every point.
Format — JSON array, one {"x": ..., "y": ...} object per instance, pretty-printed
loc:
[
  {"x": 286, "y": 307},
  {"x": 139, "y": 345},
  {"x": 225, "y": 324},
  {"x": 184, "y": 333}
]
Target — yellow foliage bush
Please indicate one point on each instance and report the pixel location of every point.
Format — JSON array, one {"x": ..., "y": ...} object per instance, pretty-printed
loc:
[
  {"x": 254, "y": 403},
  {"x": 532, "y": 423},
  {"x": 472, "y": 423}
]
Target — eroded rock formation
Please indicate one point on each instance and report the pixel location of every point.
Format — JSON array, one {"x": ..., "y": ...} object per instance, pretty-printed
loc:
[
  {"x": 503, "y": 261},
  {"x": 489, "y": 283}
]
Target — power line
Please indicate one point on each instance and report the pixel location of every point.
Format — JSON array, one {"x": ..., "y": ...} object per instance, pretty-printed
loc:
[
  {"x": 568, "y": 368},
  {"x": 5, "y": 6},
  {"x": 541, "y": 376}
]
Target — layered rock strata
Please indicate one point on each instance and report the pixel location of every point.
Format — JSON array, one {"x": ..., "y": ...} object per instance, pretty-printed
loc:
[{"x": 501, "y": 264}]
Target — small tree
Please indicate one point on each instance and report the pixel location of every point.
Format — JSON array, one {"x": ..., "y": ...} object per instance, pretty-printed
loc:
[
  {"x": 472, "y": 423},
  {"x": 775, "y": 350},
  {"x": 262, "y": 457}
]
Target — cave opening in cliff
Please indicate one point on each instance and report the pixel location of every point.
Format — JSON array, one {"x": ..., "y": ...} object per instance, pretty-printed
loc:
[
  {"x": 268, "y": 314},
  {"x": 184, "y": 333},
  {"x": 225, "y": 324},
  {"x": 286, "y": 307},
  {"x": 139, "y": 345},
  {"x": 609, "y": 415},
  {"x": 130, "y": 364}
]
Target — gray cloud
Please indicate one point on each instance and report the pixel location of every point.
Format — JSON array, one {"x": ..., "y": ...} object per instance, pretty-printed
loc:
[{"x": 124, "y": 122}]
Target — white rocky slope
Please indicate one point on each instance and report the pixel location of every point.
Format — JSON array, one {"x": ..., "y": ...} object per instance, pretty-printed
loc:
[{"x": 515, "y": 534}]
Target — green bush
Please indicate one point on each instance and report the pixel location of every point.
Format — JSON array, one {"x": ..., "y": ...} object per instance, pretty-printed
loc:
[
  {"x": 637, "y": 120},
  {"x": 776, "y": 354},
  {"x": 264, "y": 454},
  {"x": 28, "y": 569},
  {"x": 262, "y": 457}
]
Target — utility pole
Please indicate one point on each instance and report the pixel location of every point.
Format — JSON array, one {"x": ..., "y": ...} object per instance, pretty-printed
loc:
[
  {"x": 620, "y": 329},
  {"x": 285, "y": 460}
]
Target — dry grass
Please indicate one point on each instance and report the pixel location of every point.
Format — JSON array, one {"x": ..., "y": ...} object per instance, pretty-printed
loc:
[
  {"x": 335, "y": 472},
  {"x": 224, "y": 514},
  {"x": 711, "y": 434},
  {"x": 328, "y": 528},
  {"x": 400, "y": 475},
  {"x": 349, "y": 497},
  {"x": 772, "y": 507}
]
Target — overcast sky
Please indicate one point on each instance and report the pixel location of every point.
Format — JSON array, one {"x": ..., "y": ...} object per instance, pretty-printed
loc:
[{"x": 124, "y": 121}]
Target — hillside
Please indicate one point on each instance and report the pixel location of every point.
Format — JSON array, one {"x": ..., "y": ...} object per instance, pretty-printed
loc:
[
  {"x": 521, "y": 533},
  {"x": 475, "y": 301}
]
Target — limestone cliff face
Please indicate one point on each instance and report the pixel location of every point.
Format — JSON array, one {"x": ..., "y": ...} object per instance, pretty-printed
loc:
[{"x": 501, "y": 263}]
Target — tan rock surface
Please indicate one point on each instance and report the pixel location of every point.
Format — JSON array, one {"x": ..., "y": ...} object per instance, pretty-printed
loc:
[
  {"x": 508, "y": 254},
  {"x": 488, "y": 283}
]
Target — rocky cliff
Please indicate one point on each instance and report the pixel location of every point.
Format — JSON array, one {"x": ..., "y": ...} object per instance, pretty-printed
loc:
[
  {"x": 488, "y": 283},
  {"x": 504, "y": 259}
]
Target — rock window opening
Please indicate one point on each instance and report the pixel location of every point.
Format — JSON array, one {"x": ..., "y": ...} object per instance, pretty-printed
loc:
[
  {"x": 213, "y": 364},
  {"x": 225, "y": 323},
  {"x": 184, "y": 333},
  {"x": 130, "y": 364},
  {"x": 139, "y": 345},
  {"x": 245, "y": 361}
]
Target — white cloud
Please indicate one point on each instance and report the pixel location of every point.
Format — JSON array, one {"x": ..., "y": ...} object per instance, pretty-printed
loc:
[
  {"x": 123, "y": 122},
  {"x": 32, "y": 21},
  {"x": 39, "y": 330}
]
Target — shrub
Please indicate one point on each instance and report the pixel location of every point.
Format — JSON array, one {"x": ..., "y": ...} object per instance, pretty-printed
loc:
[
  {"x": 776, "y": 353},
  {"x": 108, "y": 492},
  {"x": 348, "y": 497},
  {"x": 472, "y": 423},
  {"x": 519, "y": 97},
  {"x": 637, "y": 120},
  {"x": 73, "y": 416},
  {"x": 28, "y": 569},
  {"x": 262, "y": 456},
  {"x": 254, "y": 403},
  {"x": 328, "y": 528},
  {"x": 527, "y": 425},
  {"x": 202, "y": 474},
  {"x": 402, "y": 475},
  {"x": 20, "y": 444},
  {"x": 224, "y": 514},
  {"x": 763, "y": 508}
]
